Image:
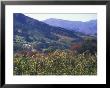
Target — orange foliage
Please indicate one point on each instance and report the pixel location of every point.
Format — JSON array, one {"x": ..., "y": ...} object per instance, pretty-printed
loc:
[{"x": 75, "y": 47}]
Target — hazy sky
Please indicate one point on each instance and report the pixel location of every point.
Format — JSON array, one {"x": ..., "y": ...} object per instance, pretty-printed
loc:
[{"x": 72, "y": 17}]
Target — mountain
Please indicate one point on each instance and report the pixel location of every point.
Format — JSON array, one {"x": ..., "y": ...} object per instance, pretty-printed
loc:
[
  {"x": 29, "y": 25},
  {"x": 31, "y": 31},
  {"x": 89, "y": 27},
  {"x": 34, "y": 35}
]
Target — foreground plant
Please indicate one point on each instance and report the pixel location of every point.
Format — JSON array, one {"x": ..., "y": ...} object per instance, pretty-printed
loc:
[{"x": 56, "y": 63}]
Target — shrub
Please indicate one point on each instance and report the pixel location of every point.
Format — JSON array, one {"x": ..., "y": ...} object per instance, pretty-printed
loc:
[{"x": 59, "y": 62}]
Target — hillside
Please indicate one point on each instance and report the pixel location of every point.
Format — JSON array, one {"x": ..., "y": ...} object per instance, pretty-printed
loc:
[
  {"x": 31, "y": 31},
  {"x": 41, "y": 36}
]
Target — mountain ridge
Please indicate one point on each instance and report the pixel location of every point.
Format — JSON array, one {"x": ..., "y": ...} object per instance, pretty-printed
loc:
[
  {"x": 44, "y": 37},
  {"x": 31, "y": 31},
  {"x": 88, "y": 27}
]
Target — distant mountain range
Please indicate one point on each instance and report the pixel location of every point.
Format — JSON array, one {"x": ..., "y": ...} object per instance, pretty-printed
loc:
[
  {"x": 89, "y": 27},
  {"x": 59, "y": 35}
]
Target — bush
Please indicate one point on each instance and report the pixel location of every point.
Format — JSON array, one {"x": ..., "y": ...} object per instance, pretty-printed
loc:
[{"x": 59, "y": 62}]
